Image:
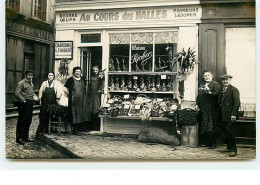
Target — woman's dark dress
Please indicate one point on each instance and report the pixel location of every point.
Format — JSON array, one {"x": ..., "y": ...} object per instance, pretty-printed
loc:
[
  {"x": 96, "y": 85},
  {"x": 78, "y": 106},
  {"x": 48, "y": 98},
  {"x": 208, "y": 104}
]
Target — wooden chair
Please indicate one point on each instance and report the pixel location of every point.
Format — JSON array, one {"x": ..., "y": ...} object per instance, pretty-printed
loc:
[{"x": 57, "y": 124}]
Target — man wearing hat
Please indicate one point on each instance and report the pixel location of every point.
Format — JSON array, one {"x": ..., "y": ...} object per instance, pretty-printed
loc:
[
  {"x": 24, "y": 92},
  {"x": 229, "y": 103}
]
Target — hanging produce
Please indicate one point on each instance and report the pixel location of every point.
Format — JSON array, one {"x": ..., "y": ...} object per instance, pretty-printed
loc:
[{"x": 187, "y": 62}]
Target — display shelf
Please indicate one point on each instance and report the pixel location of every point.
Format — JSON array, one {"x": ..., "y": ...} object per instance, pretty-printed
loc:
[
  {"x": 145, "y": 92},
  {"x": 137, "y": 118},
  {"x": 140, "y": 73},
  {"x": 125, "y": 56}
]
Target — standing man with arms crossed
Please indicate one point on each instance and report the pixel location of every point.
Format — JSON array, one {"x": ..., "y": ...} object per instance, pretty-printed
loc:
[
  {"x": 229, "y": 103},
  {"x": 24, "y": 92}
]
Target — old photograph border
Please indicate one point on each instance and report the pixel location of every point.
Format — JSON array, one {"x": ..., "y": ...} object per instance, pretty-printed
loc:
[{"x": 73, "y": 164}]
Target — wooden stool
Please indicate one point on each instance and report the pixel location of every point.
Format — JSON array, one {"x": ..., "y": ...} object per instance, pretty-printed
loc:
[
  {"x": 58, "y": 124},
  {"x": 190, "y": 135}
]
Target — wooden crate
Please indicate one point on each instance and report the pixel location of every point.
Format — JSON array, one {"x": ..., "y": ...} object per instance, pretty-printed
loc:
[{"x": 190, "y": 135}]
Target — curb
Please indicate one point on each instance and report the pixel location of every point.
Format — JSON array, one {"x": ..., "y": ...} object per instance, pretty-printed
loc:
[
  {"x": 15, "y": 115},
  {"x": 57, "y": 146}
]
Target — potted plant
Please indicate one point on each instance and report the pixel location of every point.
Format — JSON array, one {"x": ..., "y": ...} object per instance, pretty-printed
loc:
[{"x": 56, "y": 110}]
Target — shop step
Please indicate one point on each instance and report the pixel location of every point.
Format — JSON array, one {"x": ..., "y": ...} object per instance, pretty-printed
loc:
[{"x": 12, "y": 112}]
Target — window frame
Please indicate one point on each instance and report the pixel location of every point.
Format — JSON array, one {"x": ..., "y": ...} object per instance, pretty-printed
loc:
[
  {"x": 13, "y": 4},
  {"x": 153, "y": 31},
  {"x": 39, "y": 10}
]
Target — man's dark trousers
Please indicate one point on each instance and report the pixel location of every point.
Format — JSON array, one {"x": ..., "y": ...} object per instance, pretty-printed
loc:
[
  {"x": 24, "y": 120},
  {"x": 229, "y": 133}
]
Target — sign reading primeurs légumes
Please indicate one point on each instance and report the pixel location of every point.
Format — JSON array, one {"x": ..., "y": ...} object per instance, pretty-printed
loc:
[
  {"x": 154, "y": 13},
  {"x": 63, "y": 49}
]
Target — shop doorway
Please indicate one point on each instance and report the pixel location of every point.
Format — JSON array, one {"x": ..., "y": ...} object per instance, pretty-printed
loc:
[{"x": 90, "y": 56}]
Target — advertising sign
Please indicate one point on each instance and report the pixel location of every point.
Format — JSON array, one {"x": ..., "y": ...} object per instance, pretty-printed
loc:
[
  {"x": 142, "y": 57},
  {"x": 64, "y": 49},
  {"x": 171, "y": 13}
]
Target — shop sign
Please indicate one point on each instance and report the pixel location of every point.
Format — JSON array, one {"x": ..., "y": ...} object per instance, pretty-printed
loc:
[
  {"x": 28, "y": 32},
  {"x": 142, "y": 56},
  {"x": 157, "y": 13},
  {"x": 63, "y": 49}
]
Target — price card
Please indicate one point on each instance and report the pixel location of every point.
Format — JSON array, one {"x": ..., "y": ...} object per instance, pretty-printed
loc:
[
  {"x": 163, "y": 77},
  {"x": 126, "y": 96},
  {"x": 110, "y": 101},
  {"x": 137, "y": 107},
  {"x": 126, "y": 106},
  {"x": 135, "y": 77},
  {"x": 159, "y": 99}
]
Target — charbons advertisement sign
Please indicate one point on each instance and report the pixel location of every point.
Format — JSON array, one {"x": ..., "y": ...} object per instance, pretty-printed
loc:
[{"x": 63, "y": 49}]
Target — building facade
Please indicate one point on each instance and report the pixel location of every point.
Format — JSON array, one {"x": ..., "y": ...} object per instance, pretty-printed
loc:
[
  {"x": 115, "y": 34},
  {"x": 29, "y": 42},
  {"x": 131, "y": 41},
  {"x": 227, "y": 42}
]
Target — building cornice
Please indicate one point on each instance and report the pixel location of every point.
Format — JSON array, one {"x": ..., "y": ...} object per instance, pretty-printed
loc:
[{"x": 94, "y": 5}]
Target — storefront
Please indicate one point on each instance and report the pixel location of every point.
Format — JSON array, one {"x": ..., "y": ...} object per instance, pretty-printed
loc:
[
  {"x": 26, "y": 48},
  {"x": 134, "y": 42},
  {"x": 227, "y": 42},
  {"x": 227, "y": 45}
]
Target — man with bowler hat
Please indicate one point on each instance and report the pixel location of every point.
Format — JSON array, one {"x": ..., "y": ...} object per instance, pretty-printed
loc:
[
  {"x": 229, "y": 103},
  {"x": 24, "y": 92}
]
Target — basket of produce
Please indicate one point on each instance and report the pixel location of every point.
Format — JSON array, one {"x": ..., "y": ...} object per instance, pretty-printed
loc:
[{"x": 187, "y": 116}]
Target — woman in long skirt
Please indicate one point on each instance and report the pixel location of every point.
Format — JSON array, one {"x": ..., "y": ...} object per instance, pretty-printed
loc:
[
  {"x": 95, "y": 90},
  {"x": 75, "y": 87},
  {"x": 207, "y": 101}
]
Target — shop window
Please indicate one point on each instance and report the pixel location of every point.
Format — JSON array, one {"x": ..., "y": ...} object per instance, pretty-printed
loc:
[
  {"x": 145, "y": 51},
  {"x": 39, "y": 9},
  {"x": 142, "y": 63},
  {"x": 241, "y": 64},
  {"x": 119, "y": 58},
  {"x": 13, "y": 4},
  {"x": 90, "y": 38}
]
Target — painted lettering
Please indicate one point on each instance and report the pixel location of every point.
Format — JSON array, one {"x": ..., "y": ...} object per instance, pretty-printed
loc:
[
  {"x": 106, "y": 16},
  {"x": 84, "y": 18},
  {"x": 142, "y": 58},
  {"x": 158, "y": 14},
  {"x": 127, "y": 16}
]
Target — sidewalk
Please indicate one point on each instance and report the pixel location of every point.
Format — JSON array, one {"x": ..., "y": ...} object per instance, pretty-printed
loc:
[{"x": 97, "y": 146}]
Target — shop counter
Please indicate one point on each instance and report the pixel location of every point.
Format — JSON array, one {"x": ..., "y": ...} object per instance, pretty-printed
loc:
[{"x": 133, "y": 124}]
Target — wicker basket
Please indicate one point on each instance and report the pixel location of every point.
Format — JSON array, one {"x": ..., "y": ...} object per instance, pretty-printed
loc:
[{"x": 187, "y": 116}]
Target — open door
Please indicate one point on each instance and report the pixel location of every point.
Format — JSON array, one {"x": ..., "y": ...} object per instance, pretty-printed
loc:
[{"x": 90, "y": 56}]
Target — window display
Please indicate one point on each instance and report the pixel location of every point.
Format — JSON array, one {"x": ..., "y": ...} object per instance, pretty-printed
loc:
[{"x": 142, "y": 63}]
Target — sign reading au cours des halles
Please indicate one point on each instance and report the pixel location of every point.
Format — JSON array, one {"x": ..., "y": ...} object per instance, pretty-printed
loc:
[
  {"x": 63, "y": 49},
  {"x": 154, "y": 13}
]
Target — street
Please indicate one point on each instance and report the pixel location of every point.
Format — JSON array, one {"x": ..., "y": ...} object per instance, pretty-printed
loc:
[
  {"x": 98, "y": 146},
  {"x": 34, "y": 150}
]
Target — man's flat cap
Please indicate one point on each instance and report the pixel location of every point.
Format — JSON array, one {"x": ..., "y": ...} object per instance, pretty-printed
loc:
[
  {"x": 28, "y": 72},
  {"x": 226, "y": 76}
]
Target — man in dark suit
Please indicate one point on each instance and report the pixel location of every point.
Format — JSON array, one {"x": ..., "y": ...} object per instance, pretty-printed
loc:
[
  {"x": 229, "y": 103},
  {"x": 24, "y": 92}
]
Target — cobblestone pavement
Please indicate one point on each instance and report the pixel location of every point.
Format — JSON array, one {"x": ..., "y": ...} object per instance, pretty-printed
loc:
[
  {"x": 92, "y": 146},
  {"x": 96, "y": 146},
  {"x": 35, "y": 150}
]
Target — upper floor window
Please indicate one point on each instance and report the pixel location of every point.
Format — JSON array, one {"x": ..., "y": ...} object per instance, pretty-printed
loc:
[
  {"x": 13, "y": 4},
  {"x": 40, "y": 7}
]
